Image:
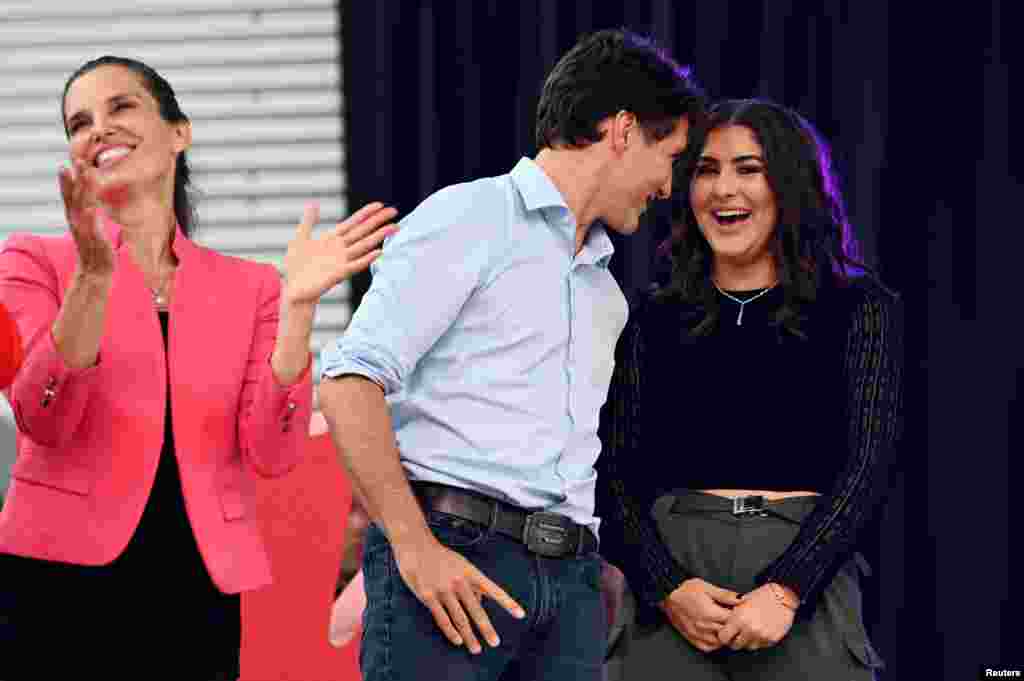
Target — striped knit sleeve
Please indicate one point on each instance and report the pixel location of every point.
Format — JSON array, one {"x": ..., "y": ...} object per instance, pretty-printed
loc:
[
  {"x": 629, "y": 536},
  {"x": 873, "y": 374}
]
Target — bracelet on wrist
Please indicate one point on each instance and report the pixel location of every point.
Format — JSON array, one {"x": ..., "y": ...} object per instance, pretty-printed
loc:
[{"x": 782, "y": 597}]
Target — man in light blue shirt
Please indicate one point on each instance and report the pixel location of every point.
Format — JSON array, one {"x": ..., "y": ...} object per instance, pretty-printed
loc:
[{"x": 475, "y": 369}]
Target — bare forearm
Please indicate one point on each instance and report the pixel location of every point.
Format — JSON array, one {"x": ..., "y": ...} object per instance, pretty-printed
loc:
[
  {"x": 361, "y": 430},
  {"x": 291, "y": 351},
  {"x": 78, "y": 329}
]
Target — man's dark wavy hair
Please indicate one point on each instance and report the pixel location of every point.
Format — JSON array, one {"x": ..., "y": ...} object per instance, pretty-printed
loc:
[
  {"x": 170, "y": 111},
  {"x": 611, "y": 71},
  {"x": 812, "y": 245}
]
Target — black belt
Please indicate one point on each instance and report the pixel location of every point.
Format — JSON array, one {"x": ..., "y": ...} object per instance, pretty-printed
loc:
[
  {"x": 789, "y": 508},
  {"x": 547, "y": 534}
]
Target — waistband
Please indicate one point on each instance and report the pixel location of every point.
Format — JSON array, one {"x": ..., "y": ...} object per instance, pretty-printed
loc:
[{"x": 791, "y": 508}]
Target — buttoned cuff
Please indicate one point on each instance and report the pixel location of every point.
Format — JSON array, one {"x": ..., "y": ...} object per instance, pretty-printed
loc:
[
  {"x": 293, "y": 401},
  {"x": 46, "y": 376},
  {"x": 48, "y": 397}
]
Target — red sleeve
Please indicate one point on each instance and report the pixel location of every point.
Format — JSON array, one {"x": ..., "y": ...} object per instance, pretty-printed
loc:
[{"x": 11, "y": 352}]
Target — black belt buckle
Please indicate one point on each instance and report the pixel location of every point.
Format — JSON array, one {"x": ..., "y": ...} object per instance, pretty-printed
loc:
[
  {"x": 550, "y": 534},
  {"x": 753, "y": 505}
]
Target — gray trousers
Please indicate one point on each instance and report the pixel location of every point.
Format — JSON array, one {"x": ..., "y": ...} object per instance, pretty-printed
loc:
[{"x": 728, "y": 551}]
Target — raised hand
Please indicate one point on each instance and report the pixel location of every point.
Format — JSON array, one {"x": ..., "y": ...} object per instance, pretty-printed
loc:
[
  {"x": 760, "y": 620},
  {"x": 313, "y": 266},
  {"x": 698, "y": 610},
  {"x": 79, "y": 189},
  {"x": 452, "y": 588}
]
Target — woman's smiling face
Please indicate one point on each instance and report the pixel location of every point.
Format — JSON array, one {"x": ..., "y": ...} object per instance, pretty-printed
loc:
[
  {"x": 731, "y": 197},
  {"x": 114, "y": 125}
]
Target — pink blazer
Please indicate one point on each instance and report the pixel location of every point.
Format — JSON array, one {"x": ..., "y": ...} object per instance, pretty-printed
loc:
[{"x": 89, "y": 440}]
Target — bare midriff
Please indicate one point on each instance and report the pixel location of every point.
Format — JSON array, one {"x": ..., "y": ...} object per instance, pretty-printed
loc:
[{"x": 770, "y": 496}]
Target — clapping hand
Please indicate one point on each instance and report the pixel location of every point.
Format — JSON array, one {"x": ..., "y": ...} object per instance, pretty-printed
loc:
[
  {"x": 80, "y": 191},
  {"x": 314, "y": 265}
]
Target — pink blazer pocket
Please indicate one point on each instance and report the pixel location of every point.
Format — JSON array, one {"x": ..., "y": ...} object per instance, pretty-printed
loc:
[
  {"x": 231, "y": 503},
  {"x": 53, "y": 471}
]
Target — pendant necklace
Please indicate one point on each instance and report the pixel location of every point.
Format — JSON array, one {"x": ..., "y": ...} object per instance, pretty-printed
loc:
[
  {"x": 742, "y": 303},
  {"x": 160, "y": 295}
]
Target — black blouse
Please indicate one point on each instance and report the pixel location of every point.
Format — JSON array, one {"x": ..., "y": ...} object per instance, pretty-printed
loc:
[{"x": 751, "y": 406}]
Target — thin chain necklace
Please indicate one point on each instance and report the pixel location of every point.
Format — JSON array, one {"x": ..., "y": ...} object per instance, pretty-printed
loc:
[
  {"x": 160, "y": 292},
  {"x": 159, "y": 299},
  {"x": 742, "y": 303}
]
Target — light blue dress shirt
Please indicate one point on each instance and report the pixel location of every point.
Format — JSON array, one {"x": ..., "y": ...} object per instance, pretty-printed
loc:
[{"x": 494, "y": 342}]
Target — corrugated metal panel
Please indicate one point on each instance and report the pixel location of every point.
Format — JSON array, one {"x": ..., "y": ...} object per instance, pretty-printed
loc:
[{"x": 260, "y": 79}]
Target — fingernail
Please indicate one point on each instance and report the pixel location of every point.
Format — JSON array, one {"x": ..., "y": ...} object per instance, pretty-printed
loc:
[
  {"x": 520, "y": 614},
  {"x": 458, "y": 641},
  {"x": 495, "y": 643}
]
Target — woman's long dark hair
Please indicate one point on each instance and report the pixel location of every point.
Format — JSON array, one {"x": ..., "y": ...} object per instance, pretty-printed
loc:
[
  {"x": 812, "y": 244},
  {"x": 170, "y": 111}
]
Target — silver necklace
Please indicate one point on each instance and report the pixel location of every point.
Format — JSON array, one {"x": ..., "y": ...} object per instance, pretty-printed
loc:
[
  {"x": 160, "y": 294},
  {"x": 742, "y": 303},
  {"x": 158, "y": 298}
]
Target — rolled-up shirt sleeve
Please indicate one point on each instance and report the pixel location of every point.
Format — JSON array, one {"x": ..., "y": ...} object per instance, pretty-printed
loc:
[{"x": 424, "y": 276}]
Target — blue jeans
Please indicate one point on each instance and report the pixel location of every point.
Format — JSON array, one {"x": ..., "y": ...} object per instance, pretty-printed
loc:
[{"x": 562, "y": 636}]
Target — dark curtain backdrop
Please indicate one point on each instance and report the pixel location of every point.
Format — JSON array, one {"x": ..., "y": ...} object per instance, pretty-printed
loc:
[{"x": 915, "y": 106}]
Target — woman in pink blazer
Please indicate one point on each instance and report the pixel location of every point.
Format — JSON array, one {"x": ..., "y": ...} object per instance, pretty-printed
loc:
[{"x": 159, "y": 377}]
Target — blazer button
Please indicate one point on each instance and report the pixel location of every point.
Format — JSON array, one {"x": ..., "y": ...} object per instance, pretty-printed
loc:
[{"x": 48, "y": 392}]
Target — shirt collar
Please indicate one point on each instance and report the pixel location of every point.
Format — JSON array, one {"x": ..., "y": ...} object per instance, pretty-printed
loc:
[
  {"x": 536, "y": 188},
  {"x": 597, "y": 247},
  {"x": 539, "y": 192}
]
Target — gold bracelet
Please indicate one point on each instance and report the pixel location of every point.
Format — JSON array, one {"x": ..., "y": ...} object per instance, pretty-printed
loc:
[{"x": 780, "y": 596}]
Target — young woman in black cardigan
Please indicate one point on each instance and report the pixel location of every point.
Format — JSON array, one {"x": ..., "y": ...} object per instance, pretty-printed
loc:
[{"x": 753, "y": 413}]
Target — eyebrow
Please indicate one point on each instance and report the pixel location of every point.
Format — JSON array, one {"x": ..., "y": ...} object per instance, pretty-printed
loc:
[
  {"x": 738, "y": 159},
  {"x": 114, "y": 98}
]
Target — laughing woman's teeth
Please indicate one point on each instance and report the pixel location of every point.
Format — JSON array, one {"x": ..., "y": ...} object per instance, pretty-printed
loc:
[
  {"x": 111, "y": 155},
  {"x": 728, "y": 217}
]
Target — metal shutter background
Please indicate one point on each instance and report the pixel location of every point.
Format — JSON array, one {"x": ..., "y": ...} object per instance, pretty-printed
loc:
[{"x": 260, "y": 79}]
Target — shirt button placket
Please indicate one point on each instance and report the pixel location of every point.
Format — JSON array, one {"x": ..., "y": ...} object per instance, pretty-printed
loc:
[{"x": 573, "y": 354}]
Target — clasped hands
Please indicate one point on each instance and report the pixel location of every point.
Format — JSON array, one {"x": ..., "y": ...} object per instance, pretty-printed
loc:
[{"x": 710, "y": 617}]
